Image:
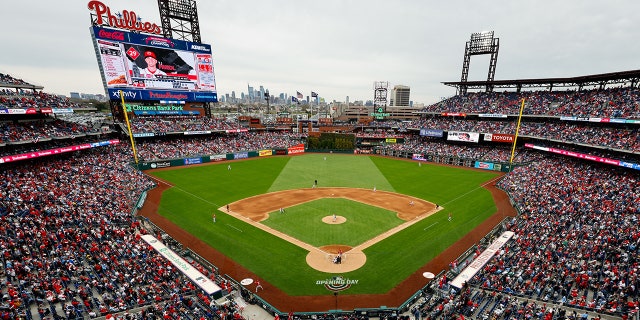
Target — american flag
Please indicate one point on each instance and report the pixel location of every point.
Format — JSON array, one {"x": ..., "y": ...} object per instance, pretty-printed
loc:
[
  {"x": 299, "y": 95},
  {"x": 313, "y": 94}
]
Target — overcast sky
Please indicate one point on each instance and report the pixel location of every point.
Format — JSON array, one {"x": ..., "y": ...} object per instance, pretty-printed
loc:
[{"x": 339, "y": 48}]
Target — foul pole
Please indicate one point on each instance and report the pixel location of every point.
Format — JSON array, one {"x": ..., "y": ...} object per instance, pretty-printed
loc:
[
  {"x": 126, "y": 118},
  {"x": 515, "y": 139}
]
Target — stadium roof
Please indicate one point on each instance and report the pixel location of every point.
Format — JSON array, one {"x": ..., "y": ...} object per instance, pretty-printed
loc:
[
  {"x": 20, "y": 86},
  {"x": 631, "y": 77}
]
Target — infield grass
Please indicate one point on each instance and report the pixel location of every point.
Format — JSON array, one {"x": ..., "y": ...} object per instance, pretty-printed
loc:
[
  {"x": 304, "y": 222},
  {"x": 199, "y": 191}
]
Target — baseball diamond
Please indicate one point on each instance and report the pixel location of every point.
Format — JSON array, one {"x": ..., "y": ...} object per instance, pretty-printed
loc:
[{"x": 255, "y": 210}]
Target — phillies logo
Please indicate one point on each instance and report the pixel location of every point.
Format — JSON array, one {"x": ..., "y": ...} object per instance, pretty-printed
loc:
[
  {"x": 113, "y": 35},
  {"x": 121, "y": 20}
]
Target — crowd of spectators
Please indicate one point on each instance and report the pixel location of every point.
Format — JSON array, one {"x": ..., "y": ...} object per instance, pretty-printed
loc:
[
  {"x": 575, "y": 253},
  {"x": 436, "y": 147},
  {"x": 216, "y": 144},
  {"x": 8, "y": 79},
  {"x": 618, "y": 137},
  {"x": 41, "y": 129},
  {"x": 10, "y": 99},
  {"x": 181, "y": 124},
  {"x": 612, "y": 102},
  {"x": 578, "y": 239},
  {"x": 71, "y": 247},
  {"x": 462, "y": 124}
]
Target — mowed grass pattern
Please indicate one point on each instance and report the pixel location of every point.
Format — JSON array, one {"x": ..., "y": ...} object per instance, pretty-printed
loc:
[
  {"x": 200, "y": 190},
  {"x": 338, "y": 170},
  {"x": 304, "y": 222}
]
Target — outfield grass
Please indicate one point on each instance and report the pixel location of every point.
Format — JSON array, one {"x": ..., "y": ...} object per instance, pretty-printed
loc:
[{"x": 199, "y": 191}]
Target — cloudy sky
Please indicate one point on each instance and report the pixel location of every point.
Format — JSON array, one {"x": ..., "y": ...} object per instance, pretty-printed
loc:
[{"x": 339, "y": 48}]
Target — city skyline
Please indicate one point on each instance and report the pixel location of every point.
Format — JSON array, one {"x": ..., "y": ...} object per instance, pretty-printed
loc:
[{"x": 339, "y": 49}]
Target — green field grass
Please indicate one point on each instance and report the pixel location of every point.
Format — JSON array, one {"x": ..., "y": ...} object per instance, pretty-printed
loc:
[
  {"x": 199, "y": 191},
  {"x": 304, "y": 222}
]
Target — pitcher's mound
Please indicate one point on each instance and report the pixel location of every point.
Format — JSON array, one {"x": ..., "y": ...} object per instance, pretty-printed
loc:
[{"x": 331, "y": 220}]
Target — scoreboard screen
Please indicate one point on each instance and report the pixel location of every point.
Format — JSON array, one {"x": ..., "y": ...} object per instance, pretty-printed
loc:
[{"x": 148, "y": 67}]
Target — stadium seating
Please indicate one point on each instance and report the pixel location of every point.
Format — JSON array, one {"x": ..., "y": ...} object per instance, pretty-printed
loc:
[{"x": 71, "y": 245}]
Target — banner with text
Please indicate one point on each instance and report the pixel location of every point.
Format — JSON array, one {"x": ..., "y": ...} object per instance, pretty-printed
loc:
[
  {"x": 296, "y": 149},
  {"x": 574, "y": 154},
  {"x": 49, "y": 152},
  {"x": 183, "y": 266},
  {"x": 463, "y": 136},
  {"x": 499, "y": 137},
  {"x": 479, "y": 262}
]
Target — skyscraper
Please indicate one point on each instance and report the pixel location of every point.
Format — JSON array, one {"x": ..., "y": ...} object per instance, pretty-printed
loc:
[{"x": 400, "y": 96}]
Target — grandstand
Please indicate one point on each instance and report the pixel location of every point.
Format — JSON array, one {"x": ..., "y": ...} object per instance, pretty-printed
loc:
[{"x": 71, "y": 237}]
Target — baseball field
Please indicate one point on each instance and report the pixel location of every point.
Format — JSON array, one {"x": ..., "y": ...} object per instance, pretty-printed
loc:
[{"x": 289, "y": 217}]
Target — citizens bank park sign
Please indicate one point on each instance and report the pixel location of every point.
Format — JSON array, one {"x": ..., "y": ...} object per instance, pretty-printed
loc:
[{"x": 128, "y": 20}]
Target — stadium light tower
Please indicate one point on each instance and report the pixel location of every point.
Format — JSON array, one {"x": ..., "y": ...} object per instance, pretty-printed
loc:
[
  {"x": 180, "y": 20},
  {"x": 380, "y": 94},
  {"x": 481, "y": 43}
]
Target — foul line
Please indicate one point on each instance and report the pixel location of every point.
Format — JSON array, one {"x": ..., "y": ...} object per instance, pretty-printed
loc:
[
  {"x": 234, "y": 227},
  {"x": 433, "y": 224},
  {"x": 473, "y": 190}
]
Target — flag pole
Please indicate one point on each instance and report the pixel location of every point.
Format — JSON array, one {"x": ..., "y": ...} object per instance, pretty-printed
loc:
[
  {"x": 515, "y": 139},
  {"x": 126, "y": 118}
]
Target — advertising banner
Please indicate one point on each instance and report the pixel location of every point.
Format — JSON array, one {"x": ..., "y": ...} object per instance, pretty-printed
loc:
[
  {"x": 241, "y": 155},
  {"x": 143, "y": 134},
  {"x": 484, "y": 165},
  {"x": 62, "y": 110},
  {"x": 183, "y": 266},
  {"x": 296, "y": 149},
  {"x": 44, "y": 153},
  {"x": 188, "y": 133},
  {"x": 265, "y": 153},
  {"x": 492, "y": 115},
  {"x": 236, "y": 130},
  {"x": 418, "y": 156},
  {"x": 431, "y": 133},
  {"x": 218, "y": 157},
  {"x": 476, "y": 265},
  {"x": 499, "y": 137},
  {"x": 160, "y": 164},
  {"x": 585, "y": 156},
  {"x": 463, "y": 136},
  {"x": 188, "y": 161},
  {"x": 138, "y": 94}
]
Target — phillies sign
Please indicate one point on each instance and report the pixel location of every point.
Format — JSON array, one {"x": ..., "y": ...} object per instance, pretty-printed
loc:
[{"x": 128, "y": 20}]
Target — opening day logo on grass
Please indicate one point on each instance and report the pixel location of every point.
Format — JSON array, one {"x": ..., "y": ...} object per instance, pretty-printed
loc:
[{"x": 337, "y": 283}]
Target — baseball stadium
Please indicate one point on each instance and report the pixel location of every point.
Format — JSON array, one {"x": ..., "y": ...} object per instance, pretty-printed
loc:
[{"x": 513, "y": 199}]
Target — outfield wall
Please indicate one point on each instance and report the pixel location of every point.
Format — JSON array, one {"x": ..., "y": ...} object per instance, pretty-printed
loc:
[{"x": 443, "y": 159}]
